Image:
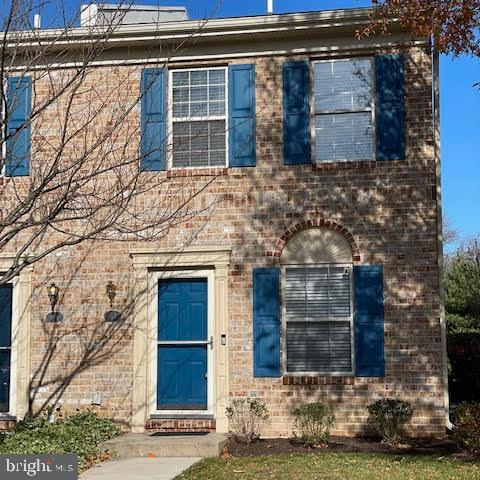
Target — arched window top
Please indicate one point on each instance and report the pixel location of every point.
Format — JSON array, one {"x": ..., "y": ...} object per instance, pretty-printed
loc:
[{"x": 316, "y": 245}]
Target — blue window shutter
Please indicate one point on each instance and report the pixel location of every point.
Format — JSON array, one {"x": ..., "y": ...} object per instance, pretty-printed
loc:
[
  {"x": 390, "y": 108},
  {"x": 153, "y": 119},
  {"x": 266, "y": 322},
  {"x": 369, "y": 331},
  {"x": 19, "y": 98},
  {"x": 296, "y": 113},
  {"x": 241, "y": 101},
  {"x": 5, "y": 341},
  {"x": 5, "y": 315}
]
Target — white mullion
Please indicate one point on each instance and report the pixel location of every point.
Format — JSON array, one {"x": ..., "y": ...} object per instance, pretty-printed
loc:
[{"x": 199, "y": 119}]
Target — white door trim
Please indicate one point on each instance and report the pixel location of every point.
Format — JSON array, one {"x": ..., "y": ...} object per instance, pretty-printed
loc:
[
  {"x": 20, "y": 346},
  {"x": 151, "y": 259}
]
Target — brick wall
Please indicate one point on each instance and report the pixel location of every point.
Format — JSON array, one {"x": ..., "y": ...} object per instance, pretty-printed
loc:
[{"x": 389, "y": 210}]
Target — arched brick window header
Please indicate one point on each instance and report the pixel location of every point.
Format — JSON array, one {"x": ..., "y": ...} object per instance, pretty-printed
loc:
[{"x": 308, "y": 224}]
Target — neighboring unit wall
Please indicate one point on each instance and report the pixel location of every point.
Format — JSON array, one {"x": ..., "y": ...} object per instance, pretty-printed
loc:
[{"x": 388, "y": 207}]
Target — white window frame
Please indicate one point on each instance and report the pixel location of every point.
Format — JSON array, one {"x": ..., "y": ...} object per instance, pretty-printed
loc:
[
  {"x": 313, "y": 113},
  {"x": 155, "y": 277},
  {"x": 283, "y": 276},
  {"x": 170, "y": 119}
]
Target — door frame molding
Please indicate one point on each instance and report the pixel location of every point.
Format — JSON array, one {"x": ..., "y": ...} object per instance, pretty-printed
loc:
[
  {"x": 154, "y": 278},
  {"x": 20, "y": 352},
  {"x": 148, "y": 262}
]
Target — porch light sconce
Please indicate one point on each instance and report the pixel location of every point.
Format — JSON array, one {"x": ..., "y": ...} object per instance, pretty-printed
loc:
[
  {"x": 53, "y": 293},
  {"x": 111, "y": 290},
  {"x": 111, "y": 315}
]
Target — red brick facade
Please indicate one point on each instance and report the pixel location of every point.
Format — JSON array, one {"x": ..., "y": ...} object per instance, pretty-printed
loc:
[
  {"x": 385, "y": 210},
  {"x": 180, "y": 425}
]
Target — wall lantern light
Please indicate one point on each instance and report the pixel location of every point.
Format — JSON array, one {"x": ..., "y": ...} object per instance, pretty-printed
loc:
[
  {"x": 53, "y": 294},
  {"x": 53, "y": 291},
  {"x": 111, "y": 315},
  {"x": 111, "y": 290}
]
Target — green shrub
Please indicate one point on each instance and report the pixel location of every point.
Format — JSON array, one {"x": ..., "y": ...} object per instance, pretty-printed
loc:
[
  {"x": 312, "y": 423},
  {"x": 247, "y": 417},
  {"x": 389, "y": 418},
  {"x": 80, "y": 434},
  {"x": 464, "y": 359},
  {"x": 466, "y": 431}
]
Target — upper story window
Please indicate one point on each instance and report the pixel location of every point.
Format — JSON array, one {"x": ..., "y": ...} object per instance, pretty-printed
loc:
[
  {"x": 344, "y": 110},
  {"x": 199, "y": 117}
]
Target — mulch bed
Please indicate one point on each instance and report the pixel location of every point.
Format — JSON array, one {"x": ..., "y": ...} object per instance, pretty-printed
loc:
[{"x": 274, "y": 446}]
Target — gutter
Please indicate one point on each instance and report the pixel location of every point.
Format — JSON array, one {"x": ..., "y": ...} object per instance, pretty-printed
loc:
[
  {"x": 436, "y": 133},
  {"x": 346, "y": 19}
]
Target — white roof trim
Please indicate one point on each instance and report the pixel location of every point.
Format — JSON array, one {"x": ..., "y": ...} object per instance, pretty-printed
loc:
[{"x": 218, "y": 28}]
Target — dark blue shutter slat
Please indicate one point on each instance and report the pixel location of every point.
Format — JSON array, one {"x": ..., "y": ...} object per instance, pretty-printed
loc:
[
  {"x": 266, "y": 322},
  {"x": 153, "y": 119},
  {"x": 369, "y": 330},
  {"x": 241, "y": 95},
  {"x": 390, "y": 108},
  {"x": 296, "y": 113},
  {"x": 19, "y": 97}
]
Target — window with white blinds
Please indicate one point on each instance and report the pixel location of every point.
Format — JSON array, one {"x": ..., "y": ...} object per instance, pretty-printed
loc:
[
  {"x": 343, "y": 90},
  {"x": 318, "y": 311},
  {"x": 199, "y": 110}
]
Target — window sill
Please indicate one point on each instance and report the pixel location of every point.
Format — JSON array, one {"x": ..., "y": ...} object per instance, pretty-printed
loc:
[
  {"x": 197, "y": 172},
  {"x": 318, "y": 380},
  {"x": 346, "y": 165}
]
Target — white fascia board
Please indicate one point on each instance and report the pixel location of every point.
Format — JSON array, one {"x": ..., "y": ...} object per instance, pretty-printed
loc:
[{"x": 349, "y": 19}]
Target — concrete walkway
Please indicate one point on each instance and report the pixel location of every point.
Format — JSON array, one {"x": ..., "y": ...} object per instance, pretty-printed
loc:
[{"x": 165, "y": 468}]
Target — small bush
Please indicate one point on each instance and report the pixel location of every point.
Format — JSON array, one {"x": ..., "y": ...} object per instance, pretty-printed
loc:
[
  {"x": 80, "y": 433},
  {"x": 466, "y": 431},
  {"x": 312, "y": 423},
  {"x": 389, "y": 418},
  {"x": 248, "y": 417}
]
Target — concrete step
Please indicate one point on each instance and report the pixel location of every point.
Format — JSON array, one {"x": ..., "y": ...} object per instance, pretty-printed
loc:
[{"x": 137, "y": 445}]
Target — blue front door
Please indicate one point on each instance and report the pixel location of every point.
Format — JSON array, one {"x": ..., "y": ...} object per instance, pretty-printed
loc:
[{"x": 182, "y": 344}]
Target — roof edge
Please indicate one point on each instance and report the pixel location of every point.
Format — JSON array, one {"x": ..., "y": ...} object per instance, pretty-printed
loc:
[{"x": 354, "y": 18}]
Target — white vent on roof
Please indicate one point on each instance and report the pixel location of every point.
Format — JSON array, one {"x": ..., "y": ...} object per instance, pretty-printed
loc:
[
  {"x": 37, "y": 21},
  {"x": 270, "y": 7},
  {"x": 109, "y": 14}
]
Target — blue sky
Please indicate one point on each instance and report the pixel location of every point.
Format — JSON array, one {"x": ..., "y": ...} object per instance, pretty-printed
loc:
[{"x": 460, "y": 104}]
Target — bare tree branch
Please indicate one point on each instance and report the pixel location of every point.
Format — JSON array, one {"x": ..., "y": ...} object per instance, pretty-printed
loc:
[{"x": 85, "y": 181}]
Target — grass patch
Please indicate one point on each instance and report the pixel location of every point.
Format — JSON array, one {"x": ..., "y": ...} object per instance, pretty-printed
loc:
[
  {"x": 333, "y": 466},
  {"x": 80, "y": 434}
]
